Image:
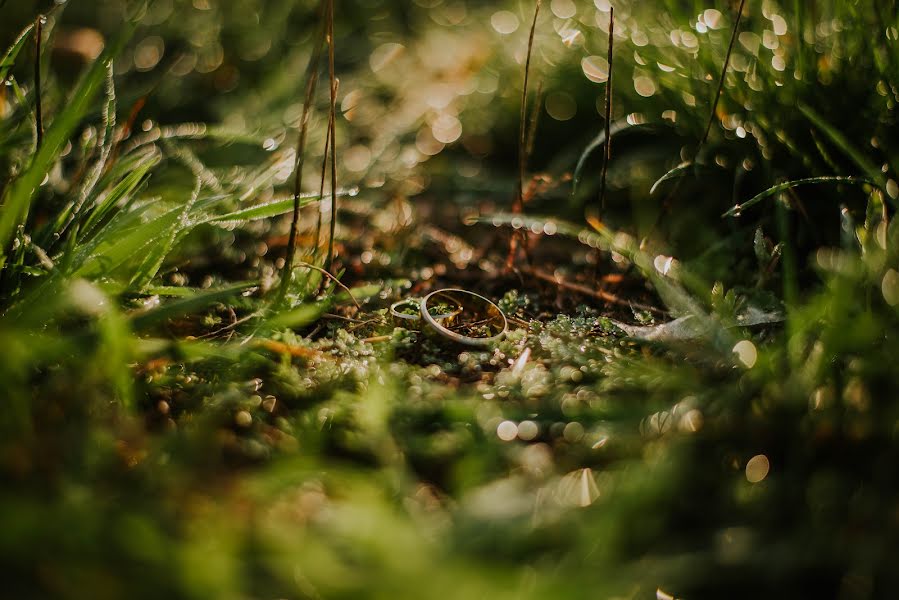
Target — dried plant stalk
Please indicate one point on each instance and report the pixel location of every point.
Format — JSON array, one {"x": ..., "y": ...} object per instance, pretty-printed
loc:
[
  {"x": 607, "y": 153},
  {"x": 311, "y": 81}
]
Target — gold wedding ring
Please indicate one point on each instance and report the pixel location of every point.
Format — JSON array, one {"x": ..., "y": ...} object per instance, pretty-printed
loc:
[{"x": 488, "y": 326}]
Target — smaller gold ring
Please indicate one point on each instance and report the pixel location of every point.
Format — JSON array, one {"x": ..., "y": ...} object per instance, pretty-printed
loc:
[
  {"x": 410, "y": 302},
  {"x": 457, "y": 337},
  {"x": 412, "y": 320}
]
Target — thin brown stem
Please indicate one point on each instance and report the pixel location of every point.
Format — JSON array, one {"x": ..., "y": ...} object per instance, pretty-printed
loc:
[
  {"x": 332, "y": 278},
  {"x": 730, "y": 48},
  {"x": 38, "y": 94},
  {"x": 518, "y": 205},
  {"x": 607, "y": 153},
  {"x": 321, "y": 187},
  {"x": 332, "y": 128},
  {"x": 311, "y": 81},
  {"x": 523, "y": 144},
  {"x": 534, "y": 120}
]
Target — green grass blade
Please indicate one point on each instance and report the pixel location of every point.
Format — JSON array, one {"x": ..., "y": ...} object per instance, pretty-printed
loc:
[
  {"x": 186, "y": 305},
  {"x": 124, "y": 189},
  {"x": 9, "y": 59},
  {"x": 678, "y": 171},
  {"x": 598, "y": 142},
  {"x": 121, "y": 242},
  {"x": 863, "y": 162},
  {"x": 787, "y": 185},
  {"x": 264, "y": 211},
  {"x": 155, "y": 258},
  {"x": 115, "y": 353},
  {"x": 23, "y": 191}
]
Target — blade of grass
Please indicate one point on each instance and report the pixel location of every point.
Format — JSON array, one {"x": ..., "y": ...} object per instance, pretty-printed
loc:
[
  {"x": 675, "y": 173},
  {"x": 788, "y": 185},
  {"x": 150, "y": 266},
  {"x": 38, "y": 94},
  {"x": 597, "y": 142},
  {"x": 790, "y": 284},
  {"x": 607, "y": 155},
  {"x": 124, "y": 189},
  {"x": 266, "y": 210},
  {"x": 115, "y": 353},
  {"x": 123, "y": 241},
  {"x": 9, "y": 59},
  {"x": 145, "y": 320},
  {"x": 841, "y": 142}
]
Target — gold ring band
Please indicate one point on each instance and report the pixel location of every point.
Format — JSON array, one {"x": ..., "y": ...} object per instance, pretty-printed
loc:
[{"x": 457, "y": 337}]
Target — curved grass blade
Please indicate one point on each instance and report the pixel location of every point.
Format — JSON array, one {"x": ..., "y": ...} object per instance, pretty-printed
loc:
[
  {"x": 678, "y": 171},
  {"x": 266, "y": 210},
  {"x": 840, "y": 141},
  {"x": 186, "y": 305},
  {"x": 598, "y": 142},
  {"x": 9, "y": 59},
  {"x": 788, "y": 185}
]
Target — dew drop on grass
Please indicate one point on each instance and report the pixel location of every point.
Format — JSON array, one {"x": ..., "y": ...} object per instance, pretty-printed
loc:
[
  {"x": 663, "y": 264},
  {"x": 746, "y": 353}
]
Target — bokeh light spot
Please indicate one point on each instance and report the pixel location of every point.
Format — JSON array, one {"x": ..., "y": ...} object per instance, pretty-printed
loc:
[
  {"x": 757, "y": 468},
  {"x": 504, "y": 22},
  {"x": 561, "y": 106}
]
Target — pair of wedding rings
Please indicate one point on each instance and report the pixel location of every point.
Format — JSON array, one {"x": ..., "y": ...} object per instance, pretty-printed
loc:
[{"x": 455, "y": 314}]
